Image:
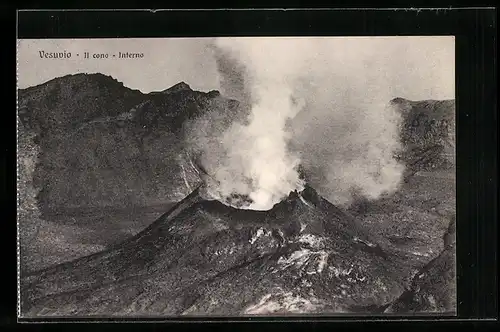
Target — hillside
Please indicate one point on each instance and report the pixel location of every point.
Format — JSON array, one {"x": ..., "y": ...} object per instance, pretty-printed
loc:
[
  {"x": 103, "y": 144},
  {"x": 203, "y": 257},
  {"x": 416, "y": 217},
  {"x": 99, "y": 162},
  {"x": 427, "y": 134}
]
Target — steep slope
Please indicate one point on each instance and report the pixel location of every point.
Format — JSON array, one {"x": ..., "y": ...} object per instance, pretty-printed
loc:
[
  {"x": 415, "y": 217},
  {"x": 65, "y": 102},
  {"x": 27, "y": 209},
  {"x": 427, "y": 134},
  {"x": 203, "y": 257},
  {"x": 103, "y": 144},
  {"x": 433, "y": 289}
]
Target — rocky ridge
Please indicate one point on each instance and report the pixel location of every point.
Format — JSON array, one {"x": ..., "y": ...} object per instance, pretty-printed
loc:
[{"x": 103, "y": 144}]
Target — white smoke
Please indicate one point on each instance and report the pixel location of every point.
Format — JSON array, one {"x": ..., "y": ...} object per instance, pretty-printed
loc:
[
  {"x": 310, "y": 104},
  {"x": 257, "y": 163},
  {"x": 348, "y": 135}
]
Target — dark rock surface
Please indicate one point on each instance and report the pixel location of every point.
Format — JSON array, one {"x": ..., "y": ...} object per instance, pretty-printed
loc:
[
  {"x": 415, "y": 218},
  {"x": 103, "y": 144},
  {"x": 427, "y": 134},
  {"x": 203, "y": 257},
  {"x": 433, "y": 289}
]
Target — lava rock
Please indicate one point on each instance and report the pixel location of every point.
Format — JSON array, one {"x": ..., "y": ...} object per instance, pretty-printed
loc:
[
  {"x": 203, "y": 257},
  {"x": 433, "y": 289}
]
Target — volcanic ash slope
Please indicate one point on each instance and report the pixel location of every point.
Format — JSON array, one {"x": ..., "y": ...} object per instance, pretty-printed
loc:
[{"x": 205, "y": 258}]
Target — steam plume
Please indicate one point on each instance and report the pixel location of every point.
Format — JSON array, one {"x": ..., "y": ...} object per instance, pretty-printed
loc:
[{"x": 309, "y": 104}]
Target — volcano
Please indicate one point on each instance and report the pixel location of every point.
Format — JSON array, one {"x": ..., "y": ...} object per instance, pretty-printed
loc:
[
  {"x": 203, "y": 257},
  {"x": 87, "y": 142}
]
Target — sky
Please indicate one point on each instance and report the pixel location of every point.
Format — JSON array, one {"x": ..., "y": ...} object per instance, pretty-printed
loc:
[{"x": 415, "y": 67}]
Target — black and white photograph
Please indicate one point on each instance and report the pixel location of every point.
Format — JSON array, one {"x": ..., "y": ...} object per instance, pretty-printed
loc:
[{"x": 236, "y": 176}]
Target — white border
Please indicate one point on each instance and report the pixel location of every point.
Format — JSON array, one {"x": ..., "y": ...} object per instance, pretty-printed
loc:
[{"x": 240, "y": 319}]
